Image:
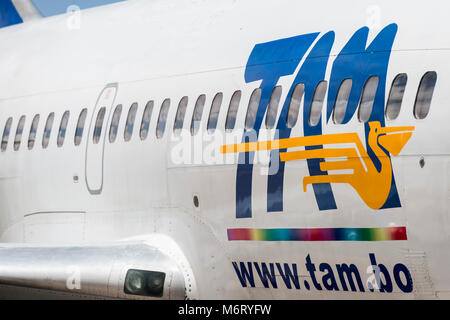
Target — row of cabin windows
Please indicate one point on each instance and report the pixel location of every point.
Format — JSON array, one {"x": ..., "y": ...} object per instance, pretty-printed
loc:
[{"x": 421, "y": 109}]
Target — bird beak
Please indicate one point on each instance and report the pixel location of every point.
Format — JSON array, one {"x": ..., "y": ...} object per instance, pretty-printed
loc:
[{"x": 392, "y": 141}]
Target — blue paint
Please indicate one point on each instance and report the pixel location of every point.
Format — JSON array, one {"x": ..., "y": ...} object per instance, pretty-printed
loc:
[
  {"x": 359, "y": 64},
  {"x": 52, "y": 7},
  {"x": 272, "y": 60},
  {"x": 310, "y": 74},
  {"x": 267, "y": 63},
  {"x": 8, "y": 14}
]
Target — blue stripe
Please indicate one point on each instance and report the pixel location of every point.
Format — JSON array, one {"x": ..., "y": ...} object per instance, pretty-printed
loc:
[{"x": 8, "y": 14}]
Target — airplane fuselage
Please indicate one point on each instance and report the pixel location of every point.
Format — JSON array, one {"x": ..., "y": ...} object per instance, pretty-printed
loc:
[{"x": 246, "y": 228}]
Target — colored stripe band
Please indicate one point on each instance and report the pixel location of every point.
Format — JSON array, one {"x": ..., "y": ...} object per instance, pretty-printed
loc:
[{"x": 324, "y": 234}]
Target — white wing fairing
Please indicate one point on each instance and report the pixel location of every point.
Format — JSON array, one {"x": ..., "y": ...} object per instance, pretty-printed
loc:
[{"x": 123, "y": 271}]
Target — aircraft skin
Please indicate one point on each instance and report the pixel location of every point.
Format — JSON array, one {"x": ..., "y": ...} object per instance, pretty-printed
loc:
[{"x": 85, "y": 210}]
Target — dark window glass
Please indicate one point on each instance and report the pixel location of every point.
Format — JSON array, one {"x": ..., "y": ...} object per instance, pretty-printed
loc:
[
  {"x": 197, "y": 116},
  {"x": 252, "y": 109},
  {"x": 424, "y": 95},
  {"x": 294, "y": 105},
  {"x": 63, "y": 128},
  {"x": 99, "y": 125},
  {"x": 162, "y": 119},
  {"x": 272, "y": 109},
  {"x": 340, "y": 106},
  {"x": 317, "y": 103},
  {"x": 115, "y": 123},
  {"x": 33, "y": 131},
  {"x": 146, "y": 117},
  {"x": 233, "y": 110},
  {"x": 130, "y": 122},
  {"x": 214, "y": 113},
  {"x": 394, "y": 103},
  {"x": 181, "y": 112},
  {"x": 6, "y": 132},
  {"x": 48, "y": 130},
  {"x": 80, "y": 127},
  {"x": 19, "y": 133},
  {"x": 367, "y": 99}
]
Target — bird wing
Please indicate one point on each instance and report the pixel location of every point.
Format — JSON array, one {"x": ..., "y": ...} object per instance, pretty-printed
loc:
[{"x": 353, "y": 155}]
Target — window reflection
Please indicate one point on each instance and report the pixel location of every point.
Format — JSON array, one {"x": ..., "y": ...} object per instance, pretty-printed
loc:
[
  {"x": 63, "y": 128},
  {"x": 80, "y": 127},
  {"x": 214, "y": 113},
  {"x": 294, "y": 105},
  {"x": 99, "y": 125},
  {"x": 113, "y": 129},
  {"x": 424, "y": 95},
  {"x": 272, "y": 109},
  {"x": 395, "y": 99},
  {"x": 181, "y": 113},
  {"x": 48, "y": 130},
  {"x": 146, "y": 117},
  {"x": 252, "y": 109},
  {"x": 368, "y": 99},
  {"x": 233, "y": 110},
  {"x": 161, "y": 126},
  {"x": 33, "y": 131},
  {"x": 197, "y": 116},
  {"x": 130, "y": 122},
  {"x": 341, "y": 103},
  {"x": 19, "y": 132},
  {"x": 317, "y": 103}
]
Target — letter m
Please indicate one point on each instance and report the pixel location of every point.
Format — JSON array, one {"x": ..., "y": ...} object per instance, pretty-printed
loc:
[
  {"x": 349, "y": 271},
  {"x": 359, "y": 61}
]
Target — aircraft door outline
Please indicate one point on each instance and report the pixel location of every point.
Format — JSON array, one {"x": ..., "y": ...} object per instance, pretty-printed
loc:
[{"x": 95, "y": 146}]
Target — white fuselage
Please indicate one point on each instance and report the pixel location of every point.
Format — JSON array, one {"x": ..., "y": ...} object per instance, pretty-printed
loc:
[{"x": 154, "y": 50}]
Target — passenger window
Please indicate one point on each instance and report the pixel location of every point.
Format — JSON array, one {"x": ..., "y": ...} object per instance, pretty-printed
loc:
[
  {"x": 6, "y": 132},
  {"x": 115, "y": 123},
  {"x": 63, "y": 128},
  {"x": 161, "y": 126},
  {"x": 394, "y": 103},
  {"x": 340, "y": 106},
  {"x": 317, "y": 104},
  {"x": 214, "y": 113},
  {"x": 33, "y": 130},
  {"x": 197, "y": 116},
  {"x": 80, "y": 127},
  {"x": 367, "y": 99},
  {"x": 130, "y": 122},
  {"x": 294, "y": 105},
  {"x": 145, "y": 123},
  {"x": 99, "y": 125},
  {"x": 179, "y": 118},
  {"x": 233, "y": 110},
  {"x": 272, "y": 109},
  {"x": 252, "y": 109},
  {"x": 424, "y": 95},
  {"x": 19, "y": 132},
  {"x": 48, "y": 130}
]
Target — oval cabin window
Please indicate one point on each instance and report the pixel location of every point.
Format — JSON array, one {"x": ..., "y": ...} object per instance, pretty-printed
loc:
[{"x": 424, "y": 95}]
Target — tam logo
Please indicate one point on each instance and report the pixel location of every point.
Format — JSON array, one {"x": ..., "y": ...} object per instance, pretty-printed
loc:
[
  {"x": 372, "y": 177},
  {"x": 373, "y": 186}
]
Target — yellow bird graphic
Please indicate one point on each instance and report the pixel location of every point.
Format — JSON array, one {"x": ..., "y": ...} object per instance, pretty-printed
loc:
[{"x": 373, "y": 186}]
